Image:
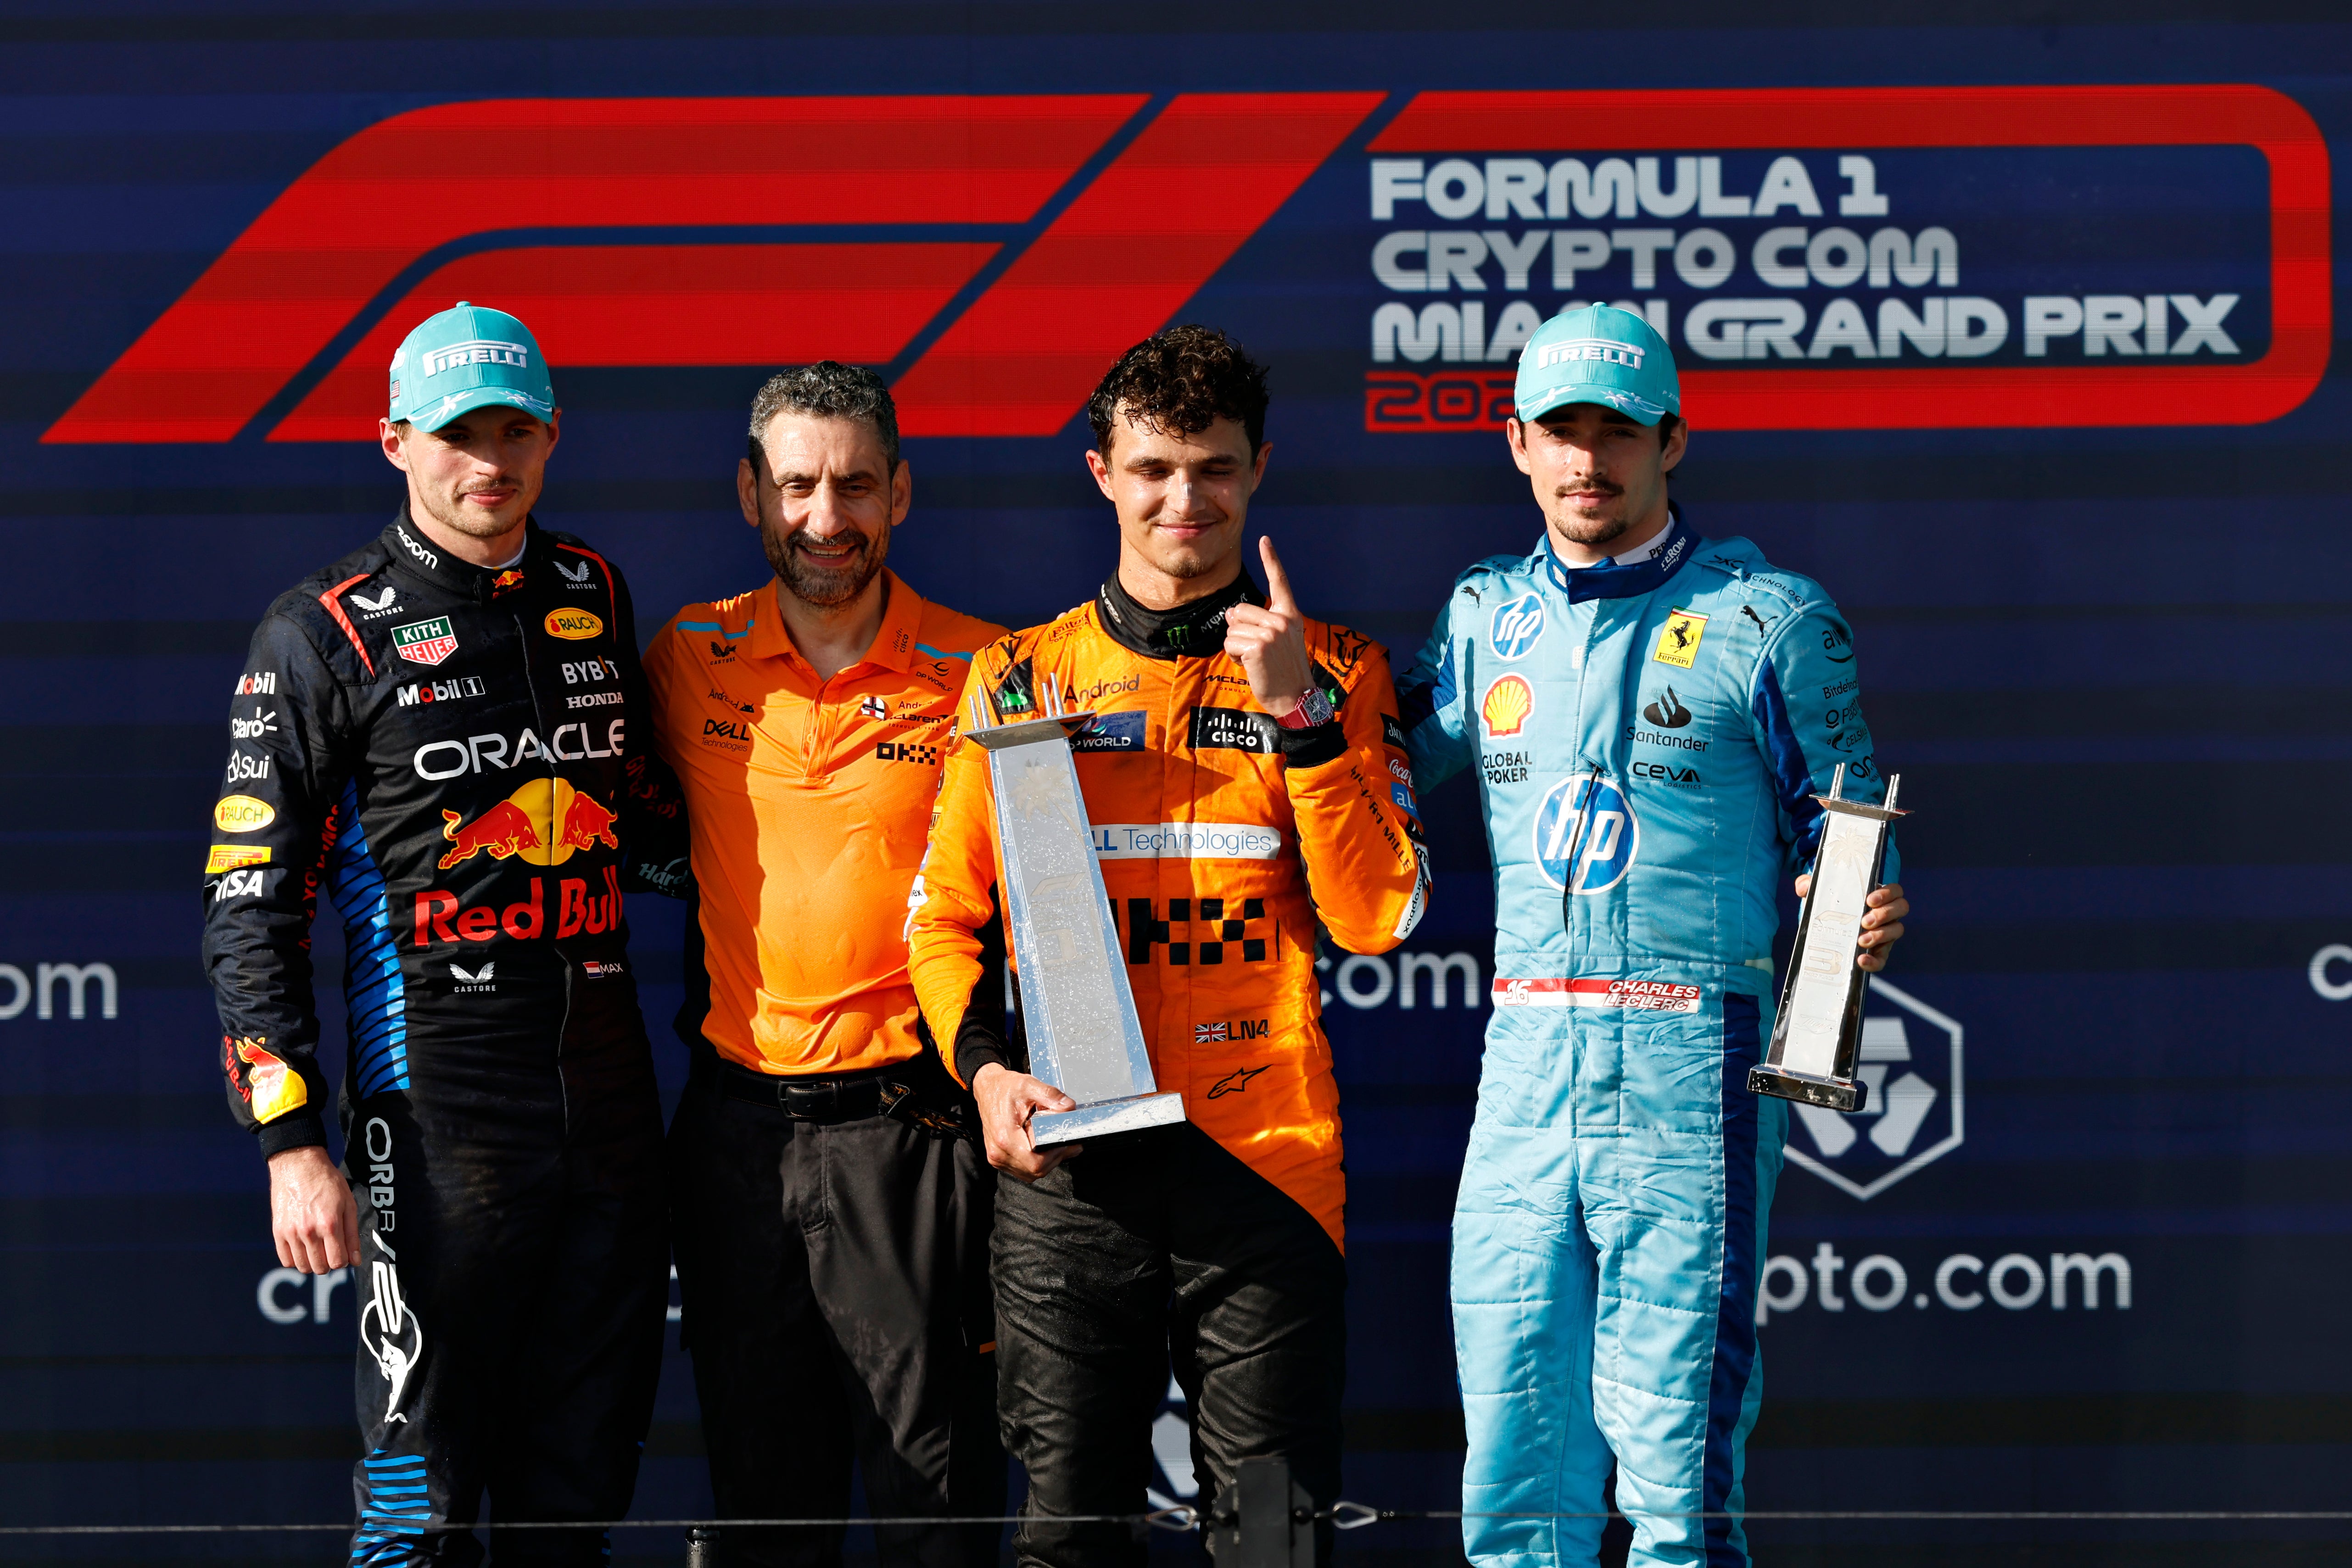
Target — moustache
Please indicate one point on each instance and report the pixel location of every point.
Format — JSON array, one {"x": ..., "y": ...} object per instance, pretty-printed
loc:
[{"x": 855, "y": 542}]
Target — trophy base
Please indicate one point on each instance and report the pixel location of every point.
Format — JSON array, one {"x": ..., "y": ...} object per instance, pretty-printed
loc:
[
  {"x": 1834, "y": 1093},
  {"x": 1104, "y": 1117}
]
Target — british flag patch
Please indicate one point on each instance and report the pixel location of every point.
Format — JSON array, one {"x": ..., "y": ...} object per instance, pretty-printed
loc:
[{"x": 1203, "y": 1033}]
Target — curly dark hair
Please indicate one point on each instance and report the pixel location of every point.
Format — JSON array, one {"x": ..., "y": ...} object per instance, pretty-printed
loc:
[
  {"x": 829, "y": 390},
  {"x": 1179, "y": 380}
]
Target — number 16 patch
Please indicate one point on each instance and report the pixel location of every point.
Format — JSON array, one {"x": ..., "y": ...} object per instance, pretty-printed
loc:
[{"x": 1678, "y": 639}]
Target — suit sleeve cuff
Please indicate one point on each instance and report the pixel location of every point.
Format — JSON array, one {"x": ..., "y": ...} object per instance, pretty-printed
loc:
[
  {"x": 975, "y": 1049},
  {"x": 1314, "y": 745},
  {"x": 296, "y": 1130}
]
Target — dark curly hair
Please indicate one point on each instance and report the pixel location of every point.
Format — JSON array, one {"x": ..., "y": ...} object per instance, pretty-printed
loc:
[{"x": 1179, "y": 380}]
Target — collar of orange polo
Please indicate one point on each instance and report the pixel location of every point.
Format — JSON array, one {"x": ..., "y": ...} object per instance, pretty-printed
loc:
[{"x": 893, "y": 644}]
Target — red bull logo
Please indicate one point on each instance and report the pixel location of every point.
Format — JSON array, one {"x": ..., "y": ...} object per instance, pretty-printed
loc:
[
  {"x": 509, "y": 579},
  {"x": 441, "y": 917},
  {"x": 262, "y": 1079},
  {"x": 545, "y": 821},
  {"x": 586, "y": 824},
  {"x": 503, "y": 831}
]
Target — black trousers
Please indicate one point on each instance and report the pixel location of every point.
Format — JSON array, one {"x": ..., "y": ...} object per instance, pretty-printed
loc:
[
  {"x": 1152, "y": 1248},
  {"x": 511, "y": 1284},
  {"x": 834, "y": 1283}
]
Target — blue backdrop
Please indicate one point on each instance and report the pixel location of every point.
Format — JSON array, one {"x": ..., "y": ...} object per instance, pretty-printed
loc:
[{"x": 2087, "y": 522}]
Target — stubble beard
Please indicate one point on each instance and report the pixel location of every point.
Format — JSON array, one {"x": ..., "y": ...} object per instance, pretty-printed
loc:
[
  {"x": 1197, "y": 558},
  {"x": 1591, "y": 532},
  {"x": 824, "y": 587},
  {"x": 452, "y": 513}
]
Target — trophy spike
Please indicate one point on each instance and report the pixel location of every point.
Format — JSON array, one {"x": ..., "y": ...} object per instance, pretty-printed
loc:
[
  {"x": 1893, "y": 783},
  {"x": 1837, "y": 783}
]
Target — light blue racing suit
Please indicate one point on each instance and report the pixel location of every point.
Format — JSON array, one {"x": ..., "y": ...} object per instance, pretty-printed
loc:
[{"x": 1648, "y": 740}]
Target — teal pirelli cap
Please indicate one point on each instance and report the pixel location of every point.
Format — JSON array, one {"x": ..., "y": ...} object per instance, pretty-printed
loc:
[
  {"x": 468, "y": 357},
  {"x": 1598, "y": 354}
]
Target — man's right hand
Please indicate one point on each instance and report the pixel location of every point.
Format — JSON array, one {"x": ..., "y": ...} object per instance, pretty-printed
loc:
[
  {"x": 1007, "y": 1099},
  {"x": 312, "y": 1215}
]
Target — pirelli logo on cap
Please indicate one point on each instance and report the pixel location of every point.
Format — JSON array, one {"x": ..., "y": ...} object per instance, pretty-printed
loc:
[
  {"x": 1607, "y": 350},
  {"x": 475, "y": 351}
]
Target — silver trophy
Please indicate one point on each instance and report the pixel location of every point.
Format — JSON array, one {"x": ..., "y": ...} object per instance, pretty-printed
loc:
[
  {"x": 1083, "y": 1036},
  {"x": 1820, "y": 1027}
]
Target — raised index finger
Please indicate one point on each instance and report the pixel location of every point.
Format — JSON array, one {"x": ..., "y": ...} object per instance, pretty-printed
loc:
[{"x": 1277, "y": 581}]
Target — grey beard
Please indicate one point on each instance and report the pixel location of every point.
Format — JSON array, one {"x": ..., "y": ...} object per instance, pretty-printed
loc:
[{"x": 826, "y": 588}]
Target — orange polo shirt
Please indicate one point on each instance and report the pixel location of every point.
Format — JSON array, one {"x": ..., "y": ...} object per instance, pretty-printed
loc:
[{"x": 808, "y": 802}]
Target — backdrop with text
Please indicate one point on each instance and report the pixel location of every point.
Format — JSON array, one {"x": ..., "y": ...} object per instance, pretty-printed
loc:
[{"x": 2015, "y": 334}]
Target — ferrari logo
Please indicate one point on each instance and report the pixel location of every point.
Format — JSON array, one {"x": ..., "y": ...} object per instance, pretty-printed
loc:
[{"x": 1678, "y": 640}]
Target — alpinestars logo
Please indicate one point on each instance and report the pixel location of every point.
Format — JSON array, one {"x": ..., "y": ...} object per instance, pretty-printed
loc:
[{"x": 1911, "y": 1060}]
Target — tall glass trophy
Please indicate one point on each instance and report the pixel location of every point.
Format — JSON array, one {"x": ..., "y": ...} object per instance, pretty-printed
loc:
[
  {"x": 1815, "y": 1038},
  {"x": 1079, "y": 1012}
]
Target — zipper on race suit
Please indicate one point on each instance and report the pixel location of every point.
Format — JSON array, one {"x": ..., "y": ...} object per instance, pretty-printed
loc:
[{"x": 564, "y": 1022}]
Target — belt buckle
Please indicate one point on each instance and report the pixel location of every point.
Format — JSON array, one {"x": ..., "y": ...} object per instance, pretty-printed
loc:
[{"x": 812, "y": 1101}]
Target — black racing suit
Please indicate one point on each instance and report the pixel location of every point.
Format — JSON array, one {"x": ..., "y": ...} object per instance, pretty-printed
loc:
[{"x": 444, "y": 750}]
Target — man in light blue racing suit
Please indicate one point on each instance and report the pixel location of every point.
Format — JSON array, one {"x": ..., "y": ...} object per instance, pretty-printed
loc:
[{"x": 1651, "y": 715}]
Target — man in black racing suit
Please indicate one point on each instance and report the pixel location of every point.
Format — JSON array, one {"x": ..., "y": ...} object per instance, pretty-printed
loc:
[{"x": 437, "y": 731}]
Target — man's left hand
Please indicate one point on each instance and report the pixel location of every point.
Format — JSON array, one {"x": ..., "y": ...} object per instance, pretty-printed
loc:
[
  {"x": 1271, "y": 644},
  {"x": 1882, "y": 920}
]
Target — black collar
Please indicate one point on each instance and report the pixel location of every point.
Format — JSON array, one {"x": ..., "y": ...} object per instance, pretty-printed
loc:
[
  {"x": 418, "y": 556},
  {"x": 1192, "y": 630}
]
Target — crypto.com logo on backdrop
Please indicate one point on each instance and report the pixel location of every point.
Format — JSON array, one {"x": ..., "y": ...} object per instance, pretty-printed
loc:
[
  {"x": 1916, "y": 1114},
  {"x": 996, "y": 254}
]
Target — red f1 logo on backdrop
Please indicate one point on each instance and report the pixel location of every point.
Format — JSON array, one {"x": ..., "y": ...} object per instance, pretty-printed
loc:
[
  {"x": 920, "y": 192},
  {"x": 1006, "y": 249}
]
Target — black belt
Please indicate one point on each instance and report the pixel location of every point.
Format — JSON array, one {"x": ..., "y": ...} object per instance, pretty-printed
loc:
[{"x": 849, "y": 1097}]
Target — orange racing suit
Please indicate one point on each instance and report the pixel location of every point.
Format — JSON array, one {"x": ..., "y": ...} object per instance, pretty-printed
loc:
[{"x": 1222, "y": 839}]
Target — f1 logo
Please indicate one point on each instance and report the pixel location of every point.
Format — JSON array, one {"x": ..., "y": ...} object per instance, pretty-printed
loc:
[{"x": 280, "y": 308}]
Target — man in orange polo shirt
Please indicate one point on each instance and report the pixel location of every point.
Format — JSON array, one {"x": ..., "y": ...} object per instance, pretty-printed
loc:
[{"x": 832, "y": 1208}]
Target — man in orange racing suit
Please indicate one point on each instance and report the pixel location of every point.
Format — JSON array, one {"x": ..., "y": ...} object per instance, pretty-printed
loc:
[{"x": 1246, "y": 779}]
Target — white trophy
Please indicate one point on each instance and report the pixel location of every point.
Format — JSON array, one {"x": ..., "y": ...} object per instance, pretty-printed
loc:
[
  {"x": 1075, "y": 1004},
  {"x": 1816, "y": 1036}
]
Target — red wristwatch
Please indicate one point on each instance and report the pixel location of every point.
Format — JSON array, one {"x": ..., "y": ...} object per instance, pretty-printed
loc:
[{"x": 1313, "y": 708}]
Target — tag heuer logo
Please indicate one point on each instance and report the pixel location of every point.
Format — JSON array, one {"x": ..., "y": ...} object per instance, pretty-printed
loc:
[{"x": 424, "y": 642}]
